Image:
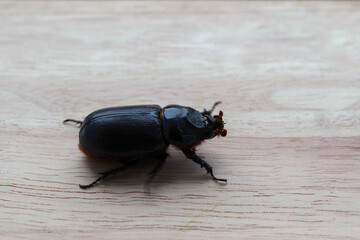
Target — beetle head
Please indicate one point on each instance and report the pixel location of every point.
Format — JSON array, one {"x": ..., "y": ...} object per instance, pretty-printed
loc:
[
  {"x": 185, "y": 127},
  {"x": 215, "y": 125}
]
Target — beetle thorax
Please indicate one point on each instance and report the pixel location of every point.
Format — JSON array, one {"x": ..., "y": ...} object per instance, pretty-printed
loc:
[{"x": 184, "y": 127}]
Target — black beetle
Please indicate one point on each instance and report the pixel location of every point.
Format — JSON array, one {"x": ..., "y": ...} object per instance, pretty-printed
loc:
[{"x": 136, "y": 132}]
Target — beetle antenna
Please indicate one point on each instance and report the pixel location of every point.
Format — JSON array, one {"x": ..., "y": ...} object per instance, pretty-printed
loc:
[
  {"x": 72, "y": 120},
  {"x": 212, "y": 109}
]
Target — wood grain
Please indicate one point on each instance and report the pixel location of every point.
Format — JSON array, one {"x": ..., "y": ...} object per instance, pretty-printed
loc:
[{"x": 288, "y": 76}]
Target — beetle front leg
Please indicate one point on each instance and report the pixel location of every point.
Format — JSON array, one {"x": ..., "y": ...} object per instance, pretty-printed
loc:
[
  {"x": 192, "y": 155},
  {"x": 108, "y": 173}
]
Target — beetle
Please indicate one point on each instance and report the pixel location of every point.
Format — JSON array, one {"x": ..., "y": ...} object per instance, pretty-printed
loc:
[{"x": 131, "y": 133}]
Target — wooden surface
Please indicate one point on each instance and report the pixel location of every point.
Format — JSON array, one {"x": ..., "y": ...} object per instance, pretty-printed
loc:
[{"x": 288, "y": 76}]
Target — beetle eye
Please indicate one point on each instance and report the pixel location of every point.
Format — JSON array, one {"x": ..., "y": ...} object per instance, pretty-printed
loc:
[{"x": 205, "y": 121}]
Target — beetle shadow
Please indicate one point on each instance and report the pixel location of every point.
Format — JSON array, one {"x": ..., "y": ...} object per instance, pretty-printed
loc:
[{"x": 177, "y": 170}]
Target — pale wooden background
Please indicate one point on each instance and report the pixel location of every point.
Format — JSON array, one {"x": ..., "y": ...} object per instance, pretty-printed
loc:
[{"x": 288, "y": 76}]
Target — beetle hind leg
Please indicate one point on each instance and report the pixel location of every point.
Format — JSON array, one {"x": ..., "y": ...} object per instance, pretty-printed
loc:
[
  {"x": 108, "y": 173},
  {"x": 74, "y": 121}
]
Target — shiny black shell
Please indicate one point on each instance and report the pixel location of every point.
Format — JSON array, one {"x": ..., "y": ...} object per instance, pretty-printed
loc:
[
  {"x": 141, "y": 131},
  {"x": 123, "y": 132}
]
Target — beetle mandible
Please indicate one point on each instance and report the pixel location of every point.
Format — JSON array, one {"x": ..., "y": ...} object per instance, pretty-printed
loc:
[{"x": 132, "y": 133}]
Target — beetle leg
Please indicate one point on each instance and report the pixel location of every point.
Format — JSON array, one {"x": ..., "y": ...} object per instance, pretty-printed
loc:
[
  {"x": 192, "y": 155},
  {"x": 157, "y": 168},
  {"x": 72, "y": 120},
  {"x": 212, "y": 109},
  {"x": 108, "y": 173}
]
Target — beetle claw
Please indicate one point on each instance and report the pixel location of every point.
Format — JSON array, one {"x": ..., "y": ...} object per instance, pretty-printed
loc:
[
  {"x": 220, "y": 179},
  {"x": 85, "y": 186},
  {"x": 217, "y": 179}
]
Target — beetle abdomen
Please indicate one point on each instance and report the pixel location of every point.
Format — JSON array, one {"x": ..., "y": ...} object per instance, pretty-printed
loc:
[{"x": 123, "y": 132}]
